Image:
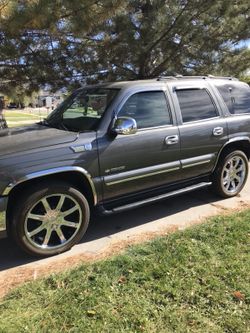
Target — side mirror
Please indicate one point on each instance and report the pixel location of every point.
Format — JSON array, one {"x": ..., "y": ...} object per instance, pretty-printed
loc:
[{"x": 124, "y": 126}]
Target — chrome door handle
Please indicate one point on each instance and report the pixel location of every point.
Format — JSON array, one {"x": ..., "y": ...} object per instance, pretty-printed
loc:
[
  {"x": 217, "y": 131},
  {"x": 172, "y": 139}
]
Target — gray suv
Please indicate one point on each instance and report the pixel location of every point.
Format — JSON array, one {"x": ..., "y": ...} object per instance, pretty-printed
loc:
[{"x": 115, "y": 146}]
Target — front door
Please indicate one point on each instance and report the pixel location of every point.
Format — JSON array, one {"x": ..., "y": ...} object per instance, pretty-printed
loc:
[{"x": 148, "y": 159}]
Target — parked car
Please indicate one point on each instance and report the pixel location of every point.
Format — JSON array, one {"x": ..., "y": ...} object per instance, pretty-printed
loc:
[
  {"x": 12, "y": 106},
  {"x": 112, "y": 147}
]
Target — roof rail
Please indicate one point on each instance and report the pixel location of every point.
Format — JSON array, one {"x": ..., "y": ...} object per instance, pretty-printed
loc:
[
  {"x": 176, "y": 77},
  {"x": 162, "y": 78},
  {"x": 204, "y": 77},
  {"x": 222, "y": 77}
]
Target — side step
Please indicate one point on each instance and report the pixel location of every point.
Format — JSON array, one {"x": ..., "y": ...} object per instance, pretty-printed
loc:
[{"x": 102, "y": 211}]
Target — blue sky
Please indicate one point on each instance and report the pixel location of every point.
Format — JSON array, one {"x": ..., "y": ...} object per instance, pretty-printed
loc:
[{"x": 244, "y": 43}]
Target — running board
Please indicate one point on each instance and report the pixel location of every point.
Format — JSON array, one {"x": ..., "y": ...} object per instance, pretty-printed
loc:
[{"x": 102, "y": 211}]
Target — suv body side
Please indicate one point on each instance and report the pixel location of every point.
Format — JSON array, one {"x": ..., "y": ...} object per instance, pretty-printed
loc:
[
  {"x": 112, "y": 173},
  {"x": 105, "y": 165},
  {"x": 193, "y": 142}
]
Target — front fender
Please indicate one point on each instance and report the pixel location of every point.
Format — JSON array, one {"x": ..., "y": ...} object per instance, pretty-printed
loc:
[{"x": 53, "y": 171}]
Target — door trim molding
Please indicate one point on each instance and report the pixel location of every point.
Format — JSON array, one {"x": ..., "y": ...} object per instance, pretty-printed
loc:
[
  {"x": 154, "y": 170},
  {"x": 141, "y": 173},
  {"x": 198, "y": 160}
]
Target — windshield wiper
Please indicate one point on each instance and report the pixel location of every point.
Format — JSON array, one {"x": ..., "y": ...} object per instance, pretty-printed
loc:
[
  {"x": 58, "y": 125},
  {"x": 44, "y": 122}
]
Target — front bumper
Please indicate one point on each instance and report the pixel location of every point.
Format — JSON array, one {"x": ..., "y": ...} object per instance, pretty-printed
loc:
[{"x": 3, "y": 204}]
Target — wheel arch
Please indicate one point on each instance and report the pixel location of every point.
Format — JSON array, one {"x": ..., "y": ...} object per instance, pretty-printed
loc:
[
  {"x": 75, "y": 176},
  {"x": 242, "y": 144}
]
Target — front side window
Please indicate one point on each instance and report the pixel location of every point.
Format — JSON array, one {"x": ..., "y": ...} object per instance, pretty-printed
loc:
[
  {"x": 195, "y": 104},
  {"x": 82, "y": 110},
  {"x": 236, "y": 97},
  {"x": 149, "y": 109}
]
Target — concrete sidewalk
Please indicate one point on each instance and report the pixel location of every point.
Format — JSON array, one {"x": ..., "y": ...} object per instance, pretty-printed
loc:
[{"x": 109, "y": 235}]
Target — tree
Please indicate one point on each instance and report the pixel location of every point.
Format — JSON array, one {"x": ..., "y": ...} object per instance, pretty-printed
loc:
[
  {"x": 246, "y": 79},
  {"x": 185, "y": 37},
  {"x": 3, "y": 124},
  {"x": 62, "y": 42},
  {"x": 47, "y": 42}
]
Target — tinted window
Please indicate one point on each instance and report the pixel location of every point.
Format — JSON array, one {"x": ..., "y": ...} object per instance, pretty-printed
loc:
[
  {"x": 236, "y": 97},
  {"x": 149, "y": 109},
  {"x": 195, "y": 104}
]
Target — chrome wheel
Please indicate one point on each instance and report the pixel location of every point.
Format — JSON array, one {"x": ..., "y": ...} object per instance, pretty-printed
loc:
[
  {"x": 53, "y": 221},
  {"x": 233, "y": 174}
]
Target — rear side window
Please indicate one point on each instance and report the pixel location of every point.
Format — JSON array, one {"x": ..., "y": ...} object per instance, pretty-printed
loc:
[
  {"x": 236, "y": 97},
  {"x": 149, "y": 109},
  {"x": 195, "y": 104}
]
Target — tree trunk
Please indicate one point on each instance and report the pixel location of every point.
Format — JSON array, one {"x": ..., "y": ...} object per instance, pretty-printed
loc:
[{"x": 3, "y": 123}]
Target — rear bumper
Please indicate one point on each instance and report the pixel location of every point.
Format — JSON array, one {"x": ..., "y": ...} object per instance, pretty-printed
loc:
[{"x": 3, "y": 204}]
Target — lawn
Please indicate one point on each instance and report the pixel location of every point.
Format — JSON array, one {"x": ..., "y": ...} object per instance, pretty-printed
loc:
[
  {"x": 197, "y": 280},
  {"x": 15, "y": 118}
]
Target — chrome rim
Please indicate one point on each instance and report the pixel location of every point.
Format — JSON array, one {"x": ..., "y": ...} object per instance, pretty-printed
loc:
[
  {"x": 53, "y": 221},
  {"x": 233, "y": 174}
]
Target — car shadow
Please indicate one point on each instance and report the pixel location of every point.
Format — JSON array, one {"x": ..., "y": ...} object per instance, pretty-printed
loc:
[{"x": 12, "y": 257}]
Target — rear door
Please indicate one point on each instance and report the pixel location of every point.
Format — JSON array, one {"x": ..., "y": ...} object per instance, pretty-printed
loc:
[{"x": 202, "y": 127}]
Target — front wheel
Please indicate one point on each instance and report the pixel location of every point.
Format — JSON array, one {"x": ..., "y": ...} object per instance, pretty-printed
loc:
[
  {"x": 231, "y": 174},
  {"x": 49, "y": 219}
]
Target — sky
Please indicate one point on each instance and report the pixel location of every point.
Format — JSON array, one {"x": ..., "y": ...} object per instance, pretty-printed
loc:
[{"x": 244, "y": 43}]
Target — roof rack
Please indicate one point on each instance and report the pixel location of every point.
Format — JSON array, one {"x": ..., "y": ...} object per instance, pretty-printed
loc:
[
  {"x": 222, "y": 77},
  {"x": 204, "y": 77},
  {"x": 162, "y": 78}
]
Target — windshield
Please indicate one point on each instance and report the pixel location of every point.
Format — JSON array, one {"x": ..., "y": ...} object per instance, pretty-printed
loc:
[{"x": 82, "y": 110}]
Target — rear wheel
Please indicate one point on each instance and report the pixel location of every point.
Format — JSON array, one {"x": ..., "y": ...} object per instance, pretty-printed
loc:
[
  {"x": 49, "y": 219},
  {"x": 231, "y": 174}
]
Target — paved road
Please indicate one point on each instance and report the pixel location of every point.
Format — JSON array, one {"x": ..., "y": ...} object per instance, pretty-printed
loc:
[{"x": 111, "y": 234}]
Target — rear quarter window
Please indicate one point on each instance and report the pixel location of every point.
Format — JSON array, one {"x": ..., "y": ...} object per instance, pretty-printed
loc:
[{"x": 236, "y": 96}]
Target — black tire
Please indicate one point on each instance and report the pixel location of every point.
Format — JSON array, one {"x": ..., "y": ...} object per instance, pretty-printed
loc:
[
  {"x": 64, "y": 217},
  {"x": 224, "y": 177}
]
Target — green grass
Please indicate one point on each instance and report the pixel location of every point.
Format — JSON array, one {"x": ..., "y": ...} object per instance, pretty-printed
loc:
[
  {"x": 15, "y": 118},
  {"x": 15, "y": 114},
  {"x": 197, "y": 280}
]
